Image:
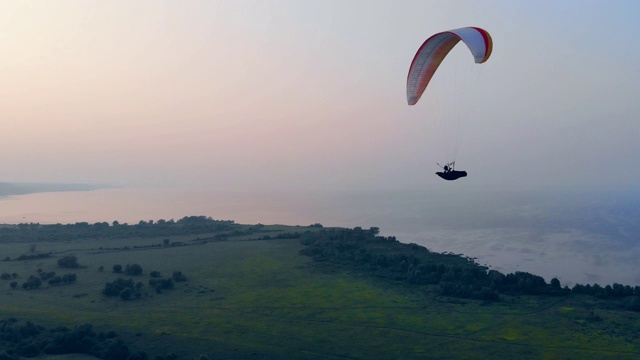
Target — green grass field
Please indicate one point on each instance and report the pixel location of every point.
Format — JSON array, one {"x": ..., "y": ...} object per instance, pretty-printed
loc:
[{"x": 260, "y": 299}]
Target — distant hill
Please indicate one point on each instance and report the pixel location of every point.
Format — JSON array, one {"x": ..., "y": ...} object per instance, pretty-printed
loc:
[{"x": 7, "y": 189}]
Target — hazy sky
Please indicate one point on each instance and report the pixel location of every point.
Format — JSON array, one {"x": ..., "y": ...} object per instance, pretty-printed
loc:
[{"x": 311, "y": 94}]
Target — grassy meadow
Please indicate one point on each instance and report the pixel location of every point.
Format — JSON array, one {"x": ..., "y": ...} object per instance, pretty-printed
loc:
[{"x": 248, "y": 297}]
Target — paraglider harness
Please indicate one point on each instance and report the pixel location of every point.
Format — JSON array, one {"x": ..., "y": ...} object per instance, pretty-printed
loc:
[{"x": 449, "y": 172}]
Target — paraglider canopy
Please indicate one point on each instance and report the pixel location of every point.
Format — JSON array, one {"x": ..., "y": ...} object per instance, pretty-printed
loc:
[{"x": 433, "y": 51}]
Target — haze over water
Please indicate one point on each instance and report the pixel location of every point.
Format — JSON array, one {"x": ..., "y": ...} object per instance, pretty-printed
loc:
[{"x": 575, "y": 236}]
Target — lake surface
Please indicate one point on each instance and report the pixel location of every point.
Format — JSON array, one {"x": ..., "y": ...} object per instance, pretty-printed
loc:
[{"x": 576, "y": 237}]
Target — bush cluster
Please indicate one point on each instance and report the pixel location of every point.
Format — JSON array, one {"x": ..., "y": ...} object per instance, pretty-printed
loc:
[
  {"x": 69, "y": 262},
  {"x": 125, "y": 289},
  {"x": 65, "y": 279},
  {"x": 32, "y": 282},
  {"x": 18, "y": 340},
  {"x": 161, "y": 284},
  {"x": 133, "y": 269}
]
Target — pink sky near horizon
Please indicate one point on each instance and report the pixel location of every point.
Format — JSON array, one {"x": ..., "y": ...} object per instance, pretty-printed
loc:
[{"x": 308, "y": 94}]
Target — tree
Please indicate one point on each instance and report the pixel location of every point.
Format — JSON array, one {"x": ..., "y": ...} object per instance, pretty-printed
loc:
[
  {"x": 133, "y": 269},
  {"x": 32, "y": 283},
  {"x": 178, "y": 276},
  {"x": 13, "y": 284},
  {"x": 115, "y": 288},
  {"x": 634, "y": 304},
  {"x": 160, "y": 284},
  {"x": 69, "y": 262},
  {"x": 125, "y": 294},
  {"x": 69, "y": 278},
  {"x": 115, "y": 349},
  {"x": 117, "y": 268}
]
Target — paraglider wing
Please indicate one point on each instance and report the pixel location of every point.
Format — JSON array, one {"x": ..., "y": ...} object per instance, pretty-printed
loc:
[{"x": 435, "y": 49}]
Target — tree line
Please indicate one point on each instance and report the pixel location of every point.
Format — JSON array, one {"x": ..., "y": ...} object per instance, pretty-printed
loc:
[
  {"x": 34, "y": 232},
  {"x": 456, "y": 275},
  {"x": 28, "y": 340}
]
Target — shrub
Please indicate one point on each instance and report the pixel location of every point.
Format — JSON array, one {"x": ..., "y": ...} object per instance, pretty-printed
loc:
[
  {"x": 178, "y": 276},
  {"x": 44, "y": 276},
  {"x": 125, "y": 294},
  {"x": 114, "y": 288},
  {"x": 117, "y": 268},
  {"x": 161, "y": 284},
  {"x": 133, "y": 269},
  {"x": 32, "y": 283},
  {"x": 69, "y": 262}
]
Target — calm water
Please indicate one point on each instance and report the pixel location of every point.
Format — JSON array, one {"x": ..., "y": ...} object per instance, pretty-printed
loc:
[{"x": 583, "y": 238}]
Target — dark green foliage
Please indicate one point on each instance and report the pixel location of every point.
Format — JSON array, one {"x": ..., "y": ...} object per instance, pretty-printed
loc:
[
  {"x": 31, "y": 340},
  {"x": 114, "y": 288},
  {"x": 84, "y": 340},
  {"x": 117, "y": 268},
  {"x": 141, "y": 355},
  {"x": 5, "y": 276},
  {"x": 178, "y": 276},
  {"x": 32, "y": 283},
  {"x": 33, "y": 257},
  {"x": 161, "y": 284},
  {"x": 69, "y": 262},
  {"x": 293, "y": 235},
  {"x": 634, "y": 304},
  {"x": 65, "y": 279},
  {"x": 6, "y": 356},
  {"x": 44, "y": 276},
  {"x": 27, "y": 349},
  {"x": 133, "y": 269},
  {"x": 188, "y": 225},
  {"x": 610, "y": 291},
  {"x": 387, "y": 258},
  {"x": 122, "y": 288},
  {"x": 13, "y": 284},
  {"x": 125, "y": 294},
  {"x": 155, "y": 274},
  {"x": 171, "y": 356}
]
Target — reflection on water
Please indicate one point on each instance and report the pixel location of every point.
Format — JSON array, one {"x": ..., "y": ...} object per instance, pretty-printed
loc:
[{"x": 574, "y": 237}]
